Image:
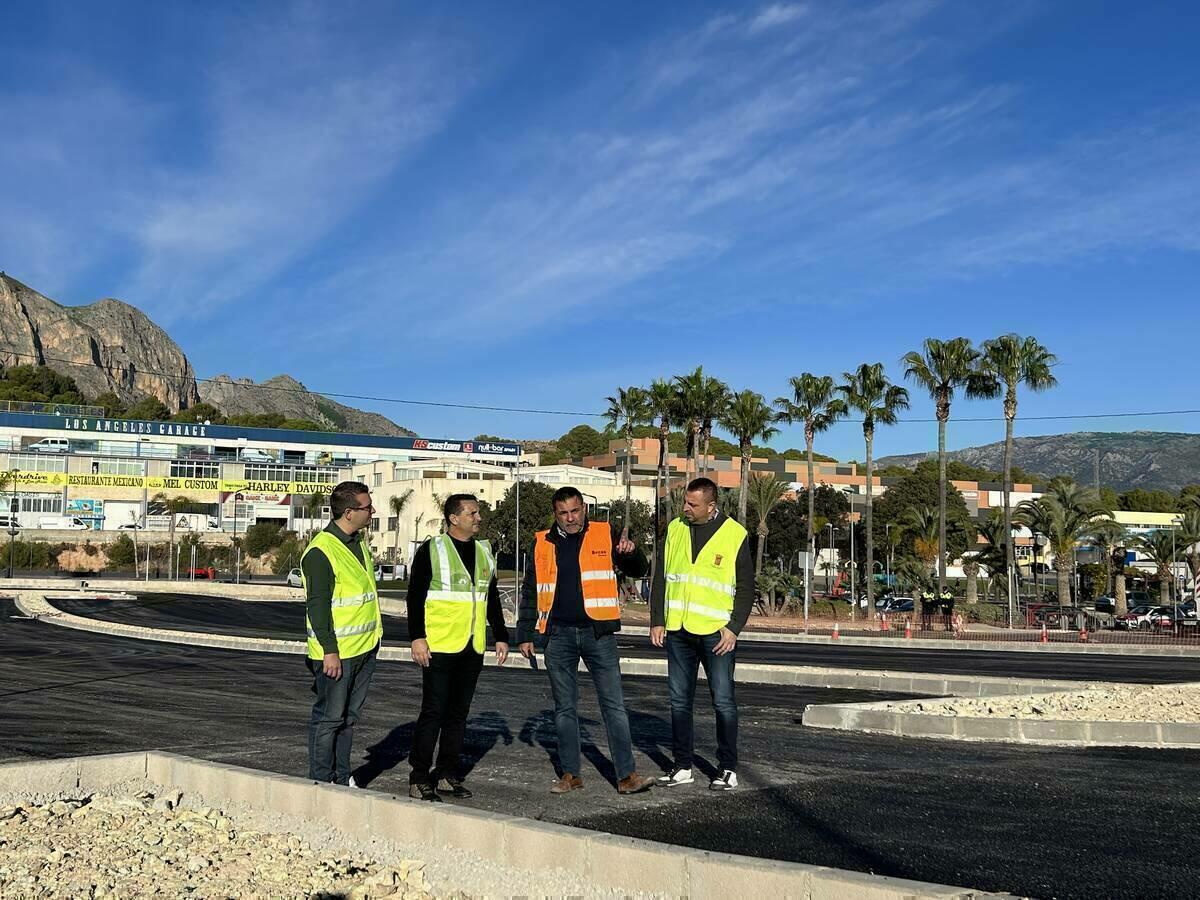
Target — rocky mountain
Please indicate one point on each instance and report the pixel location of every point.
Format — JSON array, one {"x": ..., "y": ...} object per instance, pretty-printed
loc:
[
  {"x": 287, "y": 396},
  {"x": 112, "y": 346},
  {"x": 1137, "y": 459},
  {"x": 105, "y": 346}
]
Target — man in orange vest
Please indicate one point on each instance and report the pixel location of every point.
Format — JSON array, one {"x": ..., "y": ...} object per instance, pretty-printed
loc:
[{"x": 569, "y": 606}]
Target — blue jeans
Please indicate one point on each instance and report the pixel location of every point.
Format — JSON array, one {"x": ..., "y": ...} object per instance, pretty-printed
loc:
[
  {"x": 686, "y": 652},
  {"x": 566, "y": 646},
  {"x": 336, "y": 710}
]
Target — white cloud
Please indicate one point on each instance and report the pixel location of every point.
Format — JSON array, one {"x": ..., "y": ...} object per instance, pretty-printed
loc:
[{"x": 775, "y": 15}]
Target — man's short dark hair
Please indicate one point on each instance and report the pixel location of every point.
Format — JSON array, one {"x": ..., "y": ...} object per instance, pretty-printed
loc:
[
  {"x": 707, "y": 485},
  {"x": 454, "y": 504},
  {"x": 344, "y": 496},
  {"x": 565, "y": 493}
]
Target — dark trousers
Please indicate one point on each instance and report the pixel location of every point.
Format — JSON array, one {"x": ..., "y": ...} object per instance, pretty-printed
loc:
[
  {"x": 568, "y": 645},
  {"x": 338, "y": 705},
  {"x": 685, "y": 654},
  {"x": 447, "y": 686}
]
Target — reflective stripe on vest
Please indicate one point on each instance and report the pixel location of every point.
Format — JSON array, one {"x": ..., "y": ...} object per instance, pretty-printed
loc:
[
  {"x": 597, "y": 580},
  {"x": 700, "y": 594},
  {"x": 456, "y": 605},
  {"x": 357, "y": 624}
]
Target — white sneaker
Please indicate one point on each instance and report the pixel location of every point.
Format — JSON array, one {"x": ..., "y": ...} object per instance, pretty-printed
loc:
[
  {"x": 352, "y": 783},
  {"x": 726, "y": 782},
  {"x": 675, "y": 777}
]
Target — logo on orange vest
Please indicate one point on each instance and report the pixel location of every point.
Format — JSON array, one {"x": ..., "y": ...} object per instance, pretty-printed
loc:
[{"x": 717, "y": 559}]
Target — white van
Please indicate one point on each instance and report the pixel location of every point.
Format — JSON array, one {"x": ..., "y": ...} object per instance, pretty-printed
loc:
[
  {"x": 50, "y": 445},
  {"x": 62, "y": 523}
]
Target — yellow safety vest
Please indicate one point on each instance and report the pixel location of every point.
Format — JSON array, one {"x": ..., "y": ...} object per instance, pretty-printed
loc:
[
  {"x": 355, "y": 603},
  {"x": 700, "y": 594},
  {"x": 456, "y": 605}
]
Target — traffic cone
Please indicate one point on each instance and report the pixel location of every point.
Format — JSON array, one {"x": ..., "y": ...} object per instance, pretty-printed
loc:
[
  {"x": 1045, "y": 637},
  {"x": 907, "y": 629},
  {"x": 885, "y": 623},
  {"x": 835, "y": 631}
]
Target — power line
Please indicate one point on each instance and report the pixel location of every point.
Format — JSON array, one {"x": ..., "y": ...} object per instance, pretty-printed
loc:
[{"x": 593, "y": 415}]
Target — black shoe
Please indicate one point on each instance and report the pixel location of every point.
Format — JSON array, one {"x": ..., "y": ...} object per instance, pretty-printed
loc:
[
  {"x": 454, "y": 787},
  {"x": 423, "y": 791}
]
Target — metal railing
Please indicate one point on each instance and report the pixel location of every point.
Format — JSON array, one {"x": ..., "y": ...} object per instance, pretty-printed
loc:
[{"x": 50, "y": 409}]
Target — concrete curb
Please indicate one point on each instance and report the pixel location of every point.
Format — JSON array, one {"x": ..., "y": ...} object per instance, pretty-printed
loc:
[
  {"x": 608, "y": 861},
  {"x": 34, "y": 605},
  {"x": 897, "y": 720}
]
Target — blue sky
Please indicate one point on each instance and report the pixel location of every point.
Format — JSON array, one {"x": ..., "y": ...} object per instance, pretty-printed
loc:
[{"x": 529, "y": 205}]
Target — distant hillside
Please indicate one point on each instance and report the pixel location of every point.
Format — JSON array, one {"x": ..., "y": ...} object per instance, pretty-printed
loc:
[
  {"x": 287, "y": 396},
  {"x": 1137, "y": 459},
  {"x": 112, "y": 347}
]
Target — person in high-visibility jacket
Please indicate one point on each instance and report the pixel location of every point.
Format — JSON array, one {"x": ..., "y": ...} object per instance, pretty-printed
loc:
[
  {"x": 452, "y": 599},
  {"x": 702, "y": 596},
  {"x": 570, "y": 607},
  {"x": 344, "y": 629}
]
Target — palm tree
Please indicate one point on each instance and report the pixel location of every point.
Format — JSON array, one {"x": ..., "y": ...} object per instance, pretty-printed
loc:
[
  {"x": 396, "y": 506},
  {"x": 662, "y": 401},
  {"x": 941, "y": 368},
  {"x": 1189, "y": 537},
  {"x": 714, "y": 400},
  {"x": 1008, "y": 362},
  {"x": 868, "y": 391},
  {"x": 317, "y": 501},
  {"x": 921, "y": 522},
  {"x": 174, "y": 506},
  {"x": 1064, "y": 515},
  {"x": 1163, "y": 551},
  {"x": 748, "y": 418},
  {"x": 993, "y": 555},
  {"x": 813, "y": 403},
  {"x": 766, "y": 490},
  {"x": 626, "y": 411},
  {"x": 1106, "y": 537},
  {"x": 689, "y": 393},
  {"x": 971, "y": 570}
]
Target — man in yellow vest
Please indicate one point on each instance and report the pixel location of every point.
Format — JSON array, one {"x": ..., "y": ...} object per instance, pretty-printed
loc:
[
  {"x": 569, "y": 604},
  {"x": 703, "y": 593},
  {"x": 452, "y": 598},
  {"x": 344, "y": 629}
]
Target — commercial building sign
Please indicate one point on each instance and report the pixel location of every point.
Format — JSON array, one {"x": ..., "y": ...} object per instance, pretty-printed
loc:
[
  {"x": 236, "y": 433},
  {"x": 160, "y": 483}
]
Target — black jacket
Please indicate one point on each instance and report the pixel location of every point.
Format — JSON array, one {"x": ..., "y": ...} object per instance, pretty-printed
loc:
[{"x": 631, "y": 565}]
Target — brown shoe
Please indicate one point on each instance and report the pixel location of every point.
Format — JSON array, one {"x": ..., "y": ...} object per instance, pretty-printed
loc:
[
  {"x": 633, "y": 783},
  {"x": 566, "y": 784}
]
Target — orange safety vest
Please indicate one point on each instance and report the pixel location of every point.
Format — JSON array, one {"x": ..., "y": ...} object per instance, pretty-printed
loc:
[{"x": 599, "y": 582}]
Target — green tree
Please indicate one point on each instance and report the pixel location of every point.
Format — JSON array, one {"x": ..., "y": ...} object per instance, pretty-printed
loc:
[
  {"x": 38, "y": 384},
  {"x": 287, "y": 554},
  {"x": 921, "y": 490},
  {"x": 1144, "y": 500},
  {"x": 173, "y": 506},
  {"x": 1107, "y": 536},
  {"x": 714, "y": 400},
  {"x": 627, "y": 410},
  {"x": 537, "y": 513},
  {"x": 640, "y": 523},
  {"x": 397, "y": 503},
  {"x": 583, "y": 440},
  {"x": 201, "y": 412},
  {"x": 149, "y": 408},
  {"x": 815, "y": 404},
  {"x": 113, "y": 406},
  {"x": 748, "y": 418},
  {"x": 1064, "y": 515},
  {"x": 765, "y": 491},
  {"x": 690, "y": 391},
  {"x": 663, "y": 403},
  {"x": 941, "y": 368},
  {"x": 869, "y": 392},
  {"x": 121, "y": 553},
  {"x": 1164, "y": 550},
  {"x": 262, "y": 538},
  {"x": 1009, "y": 362}
]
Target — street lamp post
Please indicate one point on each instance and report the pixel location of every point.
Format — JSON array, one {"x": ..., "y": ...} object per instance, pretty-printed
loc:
[
  {"x": 887, "y": 569},
  {"x": 237, "y": 577},
  {"x": 13, "y": 505},
  {"x": 829, "y": 562}
]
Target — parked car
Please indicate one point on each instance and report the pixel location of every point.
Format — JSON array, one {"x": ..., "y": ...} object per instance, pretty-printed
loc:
[
  {"x": 252, "y": 454},
  {"x": 50, "y": 445},
  {"x": 1106, "y": 604},
  {"x": 1138, "y": 617},
  {"x": 63, "y": 523},
  {"x": 898, "y": 605},
  {"x": 131, "y": 526},
  {"x": 294, "y": 578},
  {"x": 201, "y": 572}
]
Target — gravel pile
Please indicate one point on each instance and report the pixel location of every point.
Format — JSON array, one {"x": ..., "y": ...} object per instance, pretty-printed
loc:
[
  {"x": 146, "y": 846},
  {"x": 1117, "y": 703}
]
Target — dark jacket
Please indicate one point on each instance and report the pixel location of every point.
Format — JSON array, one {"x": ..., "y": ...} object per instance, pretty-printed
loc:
[
  {"x": 743, "y": 598},
  {"x": 568, "y": 594}
]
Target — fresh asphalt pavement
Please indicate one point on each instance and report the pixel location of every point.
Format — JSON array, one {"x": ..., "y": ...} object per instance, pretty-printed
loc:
[
  {"x": 285, "y": 620},
  {"x": 1042, "y": 822}
]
